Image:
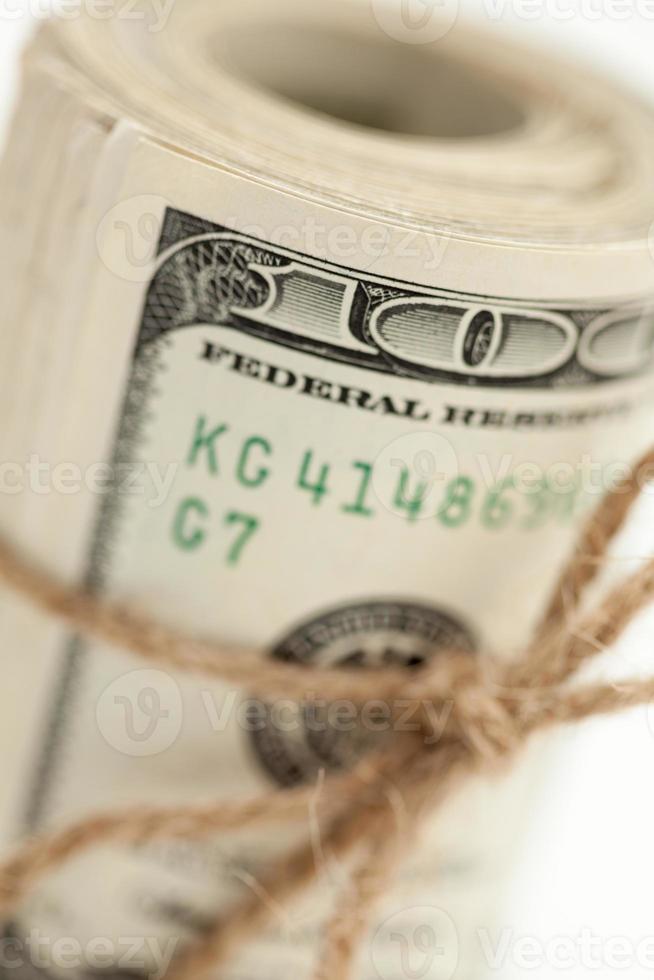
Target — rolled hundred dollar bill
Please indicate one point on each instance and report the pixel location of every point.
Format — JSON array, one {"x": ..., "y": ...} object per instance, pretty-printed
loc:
[{"x": 321, "y": 329}]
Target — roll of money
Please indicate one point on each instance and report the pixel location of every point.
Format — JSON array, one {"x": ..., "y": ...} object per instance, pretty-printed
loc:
[{"x": 322, "y": 328}]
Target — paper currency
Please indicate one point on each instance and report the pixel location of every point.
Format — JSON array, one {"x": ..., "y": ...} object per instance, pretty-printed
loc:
[{"x": 314, "y": 339}]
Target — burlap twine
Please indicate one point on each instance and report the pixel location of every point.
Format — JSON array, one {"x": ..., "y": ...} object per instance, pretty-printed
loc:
[{"x": 494, "y": 709}]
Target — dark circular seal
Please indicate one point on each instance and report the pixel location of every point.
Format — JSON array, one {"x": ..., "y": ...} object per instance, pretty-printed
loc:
[{"x": 294, "y": 742}]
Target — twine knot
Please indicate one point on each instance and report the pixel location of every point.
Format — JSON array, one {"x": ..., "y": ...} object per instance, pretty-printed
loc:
[{"x": 488, "y": 724}]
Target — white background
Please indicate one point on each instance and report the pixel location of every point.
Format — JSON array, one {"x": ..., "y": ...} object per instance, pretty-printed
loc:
[{"x": 589, "y": 860}]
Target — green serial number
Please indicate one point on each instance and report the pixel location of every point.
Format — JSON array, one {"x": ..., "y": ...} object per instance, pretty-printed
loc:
[{"x": 459, "y": 501}]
